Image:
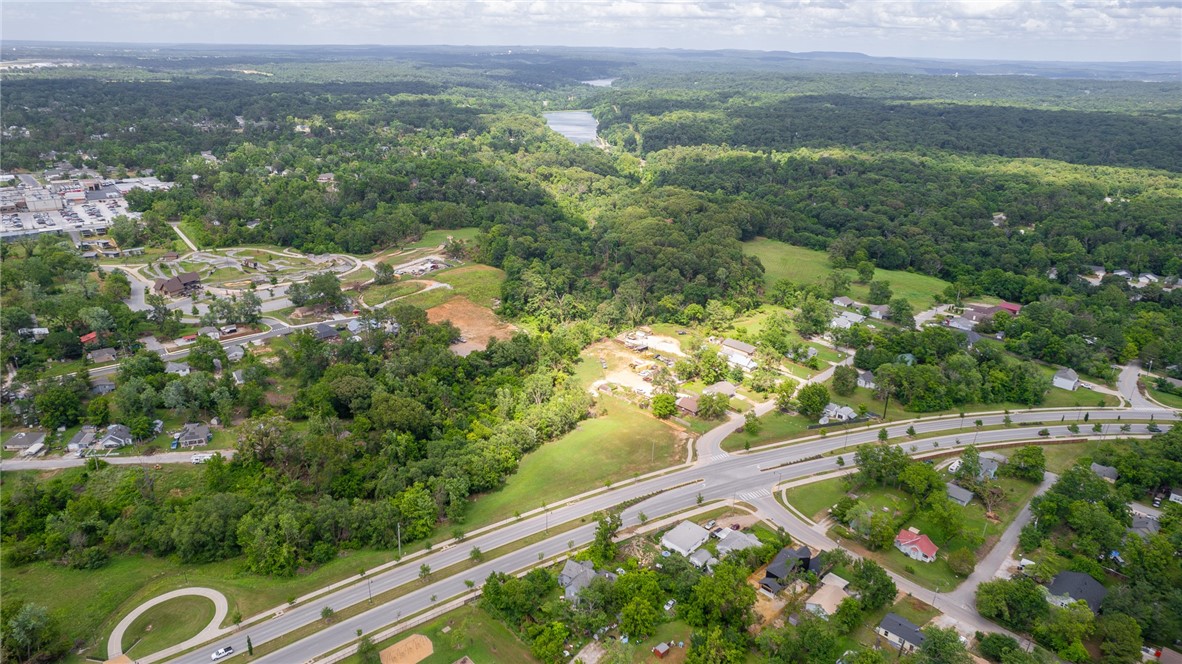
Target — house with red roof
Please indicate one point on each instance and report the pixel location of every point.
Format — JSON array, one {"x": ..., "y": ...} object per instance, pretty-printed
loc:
[
  {"x": 1013, "y": 309},
  {"x": 916, "y": 546},
  {"x": 89, "y": 338}
]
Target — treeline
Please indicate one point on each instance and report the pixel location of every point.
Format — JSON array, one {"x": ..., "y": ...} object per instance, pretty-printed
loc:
[
  {"x": 934, "y": 213},
  {"x": 757, "y": 83},
  {"x": 660, "y": 120},
  {"x": 401, "y": 431},
  {"x": 158, "y": 123}
]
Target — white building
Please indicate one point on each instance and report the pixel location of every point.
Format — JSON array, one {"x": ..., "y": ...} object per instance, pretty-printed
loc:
[
  {"x": 1066, "y": 378},
  {"x": 685, "y": 538}
]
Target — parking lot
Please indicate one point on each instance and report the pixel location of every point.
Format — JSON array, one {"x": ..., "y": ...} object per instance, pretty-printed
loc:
[{"x": 85, "y": 217}]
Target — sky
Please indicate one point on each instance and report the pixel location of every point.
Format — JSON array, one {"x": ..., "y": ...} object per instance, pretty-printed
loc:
[{"x": 1082, "y": 30}]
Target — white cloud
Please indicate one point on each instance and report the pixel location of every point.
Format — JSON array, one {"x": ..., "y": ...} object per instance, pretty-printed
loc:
[{"x": 1036, "y": 29}]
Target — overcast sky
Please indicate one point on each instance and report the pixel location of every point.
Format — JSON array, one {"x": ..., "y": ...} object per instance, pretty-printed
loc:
[{"x": 993, "y": 29}]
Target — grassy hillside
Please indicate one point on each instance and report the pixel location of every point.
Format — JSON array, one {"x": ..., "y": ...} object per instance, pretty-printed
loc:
[
  {"x": 609, "y": 448},
  {"x": 785, "y": 261}
]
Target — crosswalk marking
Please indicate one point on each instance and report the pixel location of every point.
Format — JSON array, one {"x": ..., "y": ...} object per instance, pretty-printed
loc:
[
  {"x": 720, "y": 456},
  {"x": 752, "y": 495}
]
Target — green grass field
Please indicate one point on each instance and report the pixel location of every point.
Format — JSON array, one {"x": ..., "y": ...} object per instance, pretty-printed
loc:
[
  {"x": 1166, "y": 399},
  {"x": 473, "y": 633},
  {"x": 1082, "y": 397},
  {"x": 432, "y": 239},
  {"x": 785, "y": 261},
  {"x": 777, "y": 426},
  {"x": 1061, "y": 457},
  {"x": 167, "y": 624},
  {"x": 640, "y": 651},
  {"x": 375, "y": 295},
  {"x": 479, "y": 283},
  {"x": 814, "y": 499},
  {"x": 610, "y": 448},
  {"x": 128, "y": 581}
]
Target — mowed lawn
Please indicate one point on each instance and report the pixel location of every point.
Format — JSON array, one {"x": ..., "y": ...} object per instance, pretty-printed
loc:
[
  {"x": 785, "y": 261},
  {"x": 1061, "y": 457},
  {"x": 375, "y": 295},
  {"x": 473, "y": 633},
  {"x": 776, "y": 426},
  {"x": 1166, "y": 399},
  {"x": 814, "y": 499},
  {"x": 613, "y": 447},
  {"x": 432, "y": 239},
  {"x": 167, "y": 624}
]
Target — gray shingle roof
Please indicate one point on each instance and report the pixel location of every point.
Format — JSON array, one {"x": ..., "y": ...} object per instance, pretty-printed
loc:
[
  {"x": 1077, "y": 586},
  {"x": 959, "y": 493},
  {"x": 902, "y": 628},
  {"x": 1107, "y": 472}
]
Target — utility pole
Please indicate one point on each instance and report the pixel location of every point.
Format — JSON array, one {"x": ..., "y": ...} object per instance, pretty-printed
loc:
[
  {"x": 400, "y": 540},
  {"x": 370, "y": 586}
]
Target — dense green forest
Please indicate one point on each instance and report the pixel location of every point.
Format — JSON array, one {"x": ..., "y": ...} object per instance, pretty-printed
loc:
[
  {"x": 399, "y": 430},
  {"x": 650, "y": 121}
]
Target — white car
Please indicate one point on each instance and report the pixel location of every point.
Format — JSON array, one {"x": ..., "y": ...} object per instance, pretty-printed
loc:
[
  {"x": 954, "y": 467},
  {"x": 222, "y": 652}
]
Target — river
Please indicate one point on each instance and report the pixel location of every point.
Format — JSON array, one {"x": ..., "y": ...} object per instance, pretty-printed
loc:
[{"x": 577, "y": 126}]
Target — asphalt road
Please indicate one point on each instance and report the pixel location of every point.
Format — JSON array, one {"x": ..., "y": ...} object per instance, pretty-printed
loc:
[
  {"x": 748, "y": 477},
  {"x": 1127, "y": 384}
]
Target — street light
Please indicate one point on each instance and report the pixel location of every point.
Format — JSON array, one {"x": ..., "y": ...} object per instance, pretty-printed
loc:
[{"x": 370, "y": 587}]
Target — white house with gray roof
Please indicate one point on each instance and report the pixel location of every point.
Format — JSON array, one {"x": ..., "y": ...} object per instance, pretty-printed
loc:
[
  {"x": 685, "y": 538},
  {"x": 1066, "y": 378}
]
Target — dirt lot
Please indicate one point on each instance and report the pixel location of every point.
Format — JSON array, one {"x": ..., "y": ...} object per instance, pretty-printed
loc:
[
  {"x": 618, "y": 371},
  {"x": 665, "y": 345},
  {"x": 476, "y": 323},
  {"x": 410, "y": 650},
  {"x": 767, "y": 608}
]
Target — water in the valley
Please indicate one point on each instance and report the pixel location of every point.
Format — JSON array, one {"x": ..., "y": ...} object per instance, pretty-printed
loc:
[
  {"x": 578, "y": 126},
  {"x": 599, "y": 82}
]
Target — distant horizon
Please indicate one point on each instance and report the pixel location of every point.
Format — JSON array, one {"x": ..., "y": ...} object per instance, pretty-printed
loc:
[
  {"x": 5, "y": 43},
  {"x": 1009, "y": 30}
]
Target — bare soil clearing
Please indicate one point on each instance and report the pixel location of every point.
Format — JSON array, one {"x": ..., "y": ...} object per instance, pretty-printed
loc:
[
  {"x": 476, "y": 323},
  {"x": 411, "y": 650}
]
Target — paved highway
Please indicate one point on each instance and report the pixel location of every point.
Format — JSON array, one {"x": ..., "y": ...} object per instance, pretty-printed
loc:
[{"x": 746, "y": 477}]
